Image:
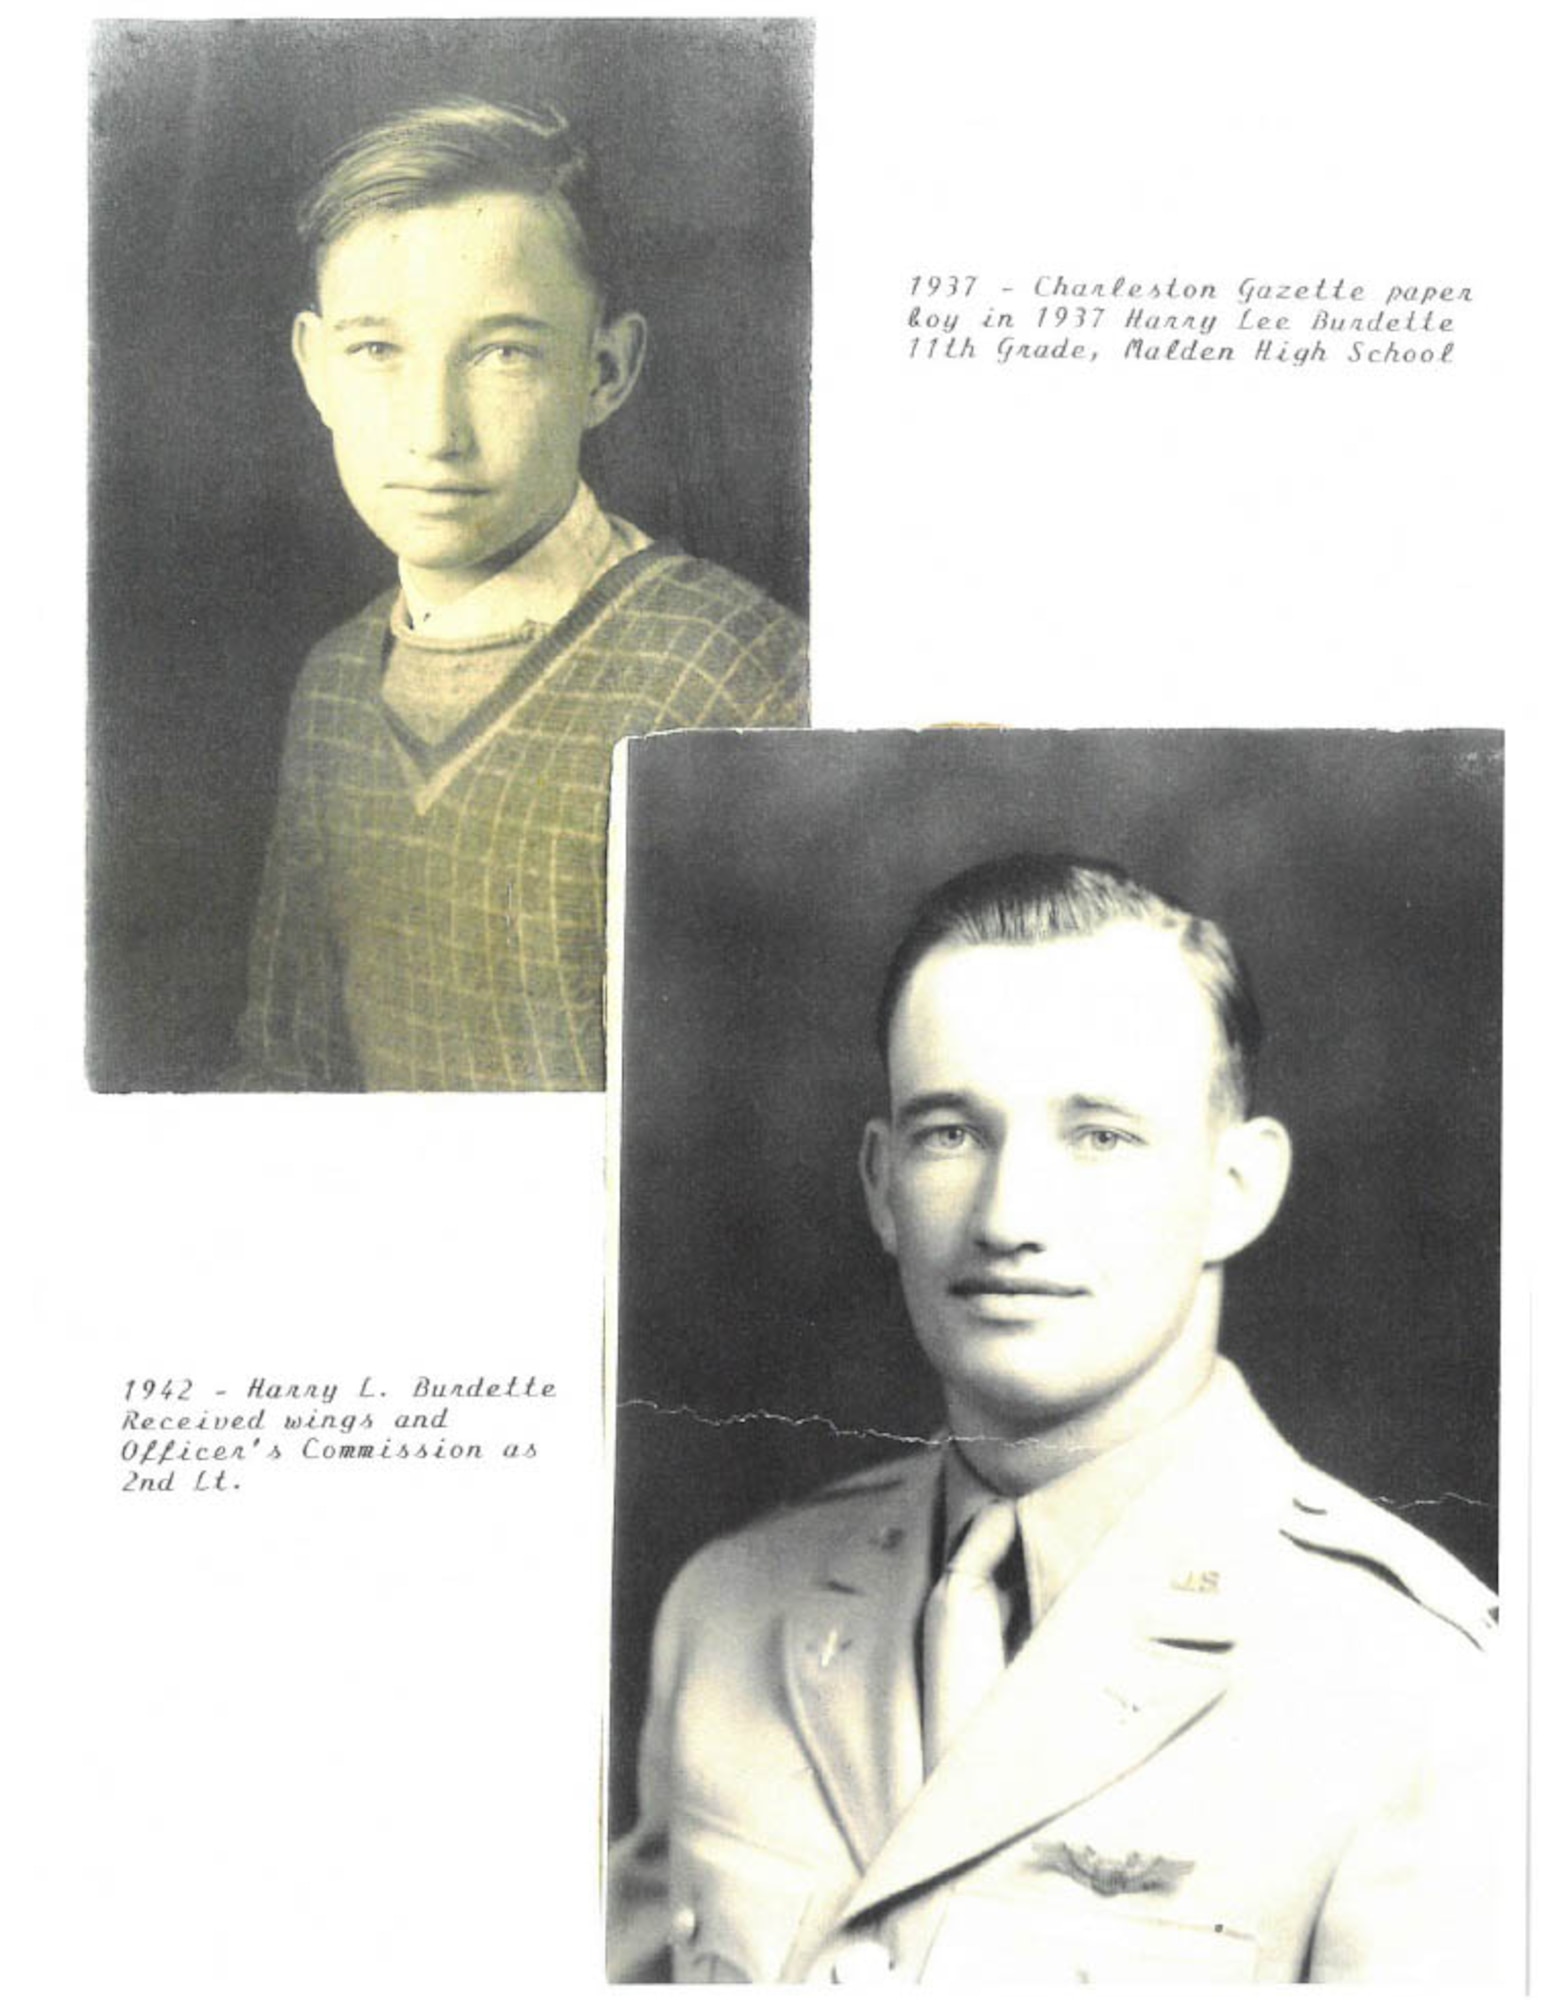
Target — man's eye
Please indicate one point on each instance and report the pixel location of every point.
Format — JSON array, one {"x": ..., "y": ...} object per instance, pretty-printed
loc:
[
  {"x": 1105, "y": 1139},
  {"x": 943, "y": 1138},
  {"x": 371, "y": 350}
]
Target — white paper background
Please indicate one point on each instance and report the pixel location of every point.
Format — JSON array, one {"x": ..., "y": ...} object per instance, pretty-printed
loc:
[{"x": 320, "y": 1740}]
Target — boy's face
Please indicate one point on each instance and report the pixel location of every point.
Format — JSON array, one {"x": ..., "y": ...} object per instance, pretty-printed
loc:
[{"x": 458, "y": 359}]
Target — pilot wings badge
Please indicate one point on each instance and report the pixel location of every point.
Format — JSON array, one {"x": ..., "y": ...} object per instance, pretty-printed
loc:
[{"x": 1114, "y": 1875}]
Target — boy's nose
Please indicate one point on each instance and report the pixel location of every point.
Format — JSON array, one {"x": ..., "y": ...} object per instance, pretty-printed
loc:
[{"x": 437, "y": 423}]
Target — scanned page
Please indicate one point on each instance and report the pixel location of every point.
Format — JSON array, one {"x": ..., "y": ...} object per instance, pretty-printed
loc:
[{"x": 1172, "y": 367}]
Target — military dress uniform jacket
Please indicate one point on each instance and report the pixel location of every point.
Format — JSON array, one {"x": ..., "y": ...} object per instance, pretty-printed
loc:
[{"x": 1247, "y": 1742}]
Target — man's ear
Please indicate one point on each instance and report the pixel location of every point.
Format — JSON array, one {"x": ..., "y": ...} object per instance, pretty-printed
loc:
[
  {"x": 617, "y": 356},
  {"x": 306, "y": 346},
  {"x": 1251, "y": 1175},
  {"x": 875, "y": 1173}
]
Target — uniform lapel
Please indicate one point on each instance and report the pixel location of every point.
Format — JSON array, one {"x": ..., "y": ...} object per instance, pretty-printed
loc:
[
  {"x": 848, "y": 1655},
  {"x": 1137, "y": 1647}
]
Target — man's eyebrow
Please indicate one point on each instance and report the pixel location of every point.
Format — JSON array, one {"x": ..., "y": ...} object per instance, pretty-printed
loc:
[
  {"x": 923, "y": 1102},
  {"x": 359, "y": 319},
  {"x": 1082, "y": 1103}
]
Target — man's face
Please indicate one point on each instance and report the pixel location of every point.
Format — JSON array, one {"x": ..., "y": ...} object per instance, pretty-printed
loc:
[
  {"x": 1053, "y": 1178},
  {"x": 457, "y": 359}
]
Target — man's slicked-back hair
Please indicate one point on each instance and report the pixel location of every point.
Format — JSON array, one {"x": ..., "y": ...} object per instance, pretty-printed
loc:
[
  {"x": 1034, "y": 899},
  {"x": 458, "y": 146}
]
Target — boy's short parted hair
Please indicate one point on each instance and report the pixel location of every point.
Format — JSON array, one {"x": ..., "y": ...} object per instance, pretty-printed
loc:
[
  {"x": 1037, "y": 898},
  {"x": 458, "y": 146}
]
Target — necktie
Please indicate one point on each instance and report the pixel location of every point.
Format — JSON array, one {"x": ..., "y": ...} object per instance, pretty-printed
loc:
[{"x": 963, "y": 1629}]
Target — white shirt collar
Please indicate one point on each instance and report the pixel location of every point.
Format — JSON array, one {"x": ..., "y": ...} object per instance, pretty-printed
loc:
[
  {"x": 539, "y": 587},
  {"x": 1063, "y": 1522}
]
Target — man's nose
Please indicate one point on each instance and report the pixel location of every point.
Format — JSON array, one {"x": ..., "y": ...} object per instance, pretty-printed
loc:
[
  {"x": 436, "y": 420},
  {"x": 1015, "y": 1199}
]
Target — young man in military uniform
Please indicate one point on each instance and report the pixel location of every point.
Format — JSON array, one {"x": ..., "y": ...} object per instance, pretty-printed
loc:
[{"x": 1109, "y": 1685}]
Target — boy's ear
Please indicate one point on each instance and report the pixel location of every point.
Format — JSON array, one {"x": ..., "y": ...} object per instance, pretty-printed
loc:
[
  {"x": 1251, "y": 1178},
  {"x": 617, "y": 356},
  {"x": 306, "y": 346}
]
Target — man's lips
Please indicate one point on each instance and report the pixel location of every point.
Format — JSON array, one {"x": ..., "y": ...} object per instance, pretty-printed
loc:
[{"x": 1015, "y": 1288}]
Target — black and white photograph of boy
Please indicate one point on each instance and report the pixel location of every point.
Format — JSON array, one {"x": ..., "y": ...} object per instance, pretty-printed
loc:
[{"x": 498, "y": 330}]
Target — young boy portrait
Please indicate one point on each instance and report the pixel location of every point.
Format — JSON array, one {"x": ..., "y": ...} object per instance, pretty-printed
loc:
[
  {"x": 411, "y": 896},
  {"x": 432, "y": 911}
]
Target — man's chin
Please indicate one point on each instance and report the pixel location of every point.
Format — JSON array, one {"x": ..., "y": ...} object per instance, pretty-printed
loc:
[
  {"x": 1013, "y": 1402},
  {"x": 1020, "y": 1378}
]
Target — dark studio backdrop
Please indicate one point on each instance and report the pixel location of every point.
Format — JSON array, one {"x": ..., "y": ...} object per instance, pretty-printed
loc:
[
  {"x": 1359, "y": 873},
  {"x": 223, "y": 547}
]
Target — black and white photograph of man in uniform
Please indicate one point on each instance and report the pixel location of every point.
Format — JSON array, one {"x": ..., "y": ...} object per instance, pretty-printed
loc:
[{"x": 1091, "y": 1668}]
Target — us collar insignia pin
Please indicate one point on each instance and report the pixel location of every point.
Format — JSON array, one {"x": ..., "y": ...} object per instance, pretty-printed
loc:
[
  {"x": 831, "y": 1646},
  {"x": 1114, "y": 1875}
]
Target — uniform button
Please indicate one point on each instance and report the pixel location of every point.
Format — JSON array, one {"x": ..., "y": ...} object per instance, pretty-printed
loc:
[
  {"x": 864, "y": 1963},
  {"x": 684, "y": 1924}
]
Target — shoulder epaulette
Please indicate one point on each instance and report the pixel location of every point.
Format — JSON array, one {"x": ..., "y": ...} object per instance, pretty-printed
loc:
[{"x": 1324, "y": 1514}]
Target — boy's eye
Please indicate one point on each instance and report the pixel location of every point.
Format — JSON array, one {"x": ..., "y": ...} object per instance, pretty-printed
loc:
[{"x": 505, "y": 354}]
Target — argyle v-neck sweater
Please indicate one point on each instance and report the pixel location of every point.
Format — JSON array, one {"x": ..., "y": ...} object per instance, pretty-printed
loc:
[{"x": 431, "y": 916}]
